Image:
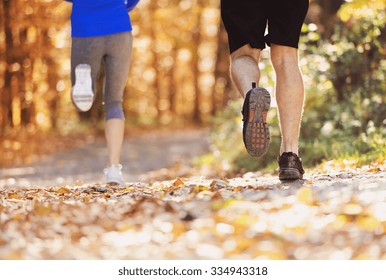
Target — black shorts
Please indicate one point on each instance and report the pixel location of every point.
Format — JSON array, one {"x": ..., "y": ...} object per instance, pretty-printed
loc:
[{"x": 246, "y": 21}]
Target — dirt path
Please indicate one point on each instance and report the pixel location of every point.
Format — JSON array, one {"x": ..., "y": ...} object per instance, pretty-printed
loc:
[{"x": 140, "y": 155}]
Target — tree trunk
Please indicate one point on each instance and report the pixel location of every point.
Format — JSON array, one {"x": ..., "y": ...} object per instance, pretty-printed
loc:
[
  {"x": 172, "y": 84},
  {"x": 6, "y": 100},
  {"x": 2, "y": 58},
  {"x": 329, "y": 9},
  {"x": 195, "y": 63},
  {"x": 223, "y": 84}
]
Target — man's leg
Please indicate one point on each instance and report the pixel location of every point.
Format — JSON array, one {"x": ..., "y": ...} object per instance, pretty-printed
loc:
[
  {"x": 245, "y": 68},
  {"x": 289, "y": 95},
  {"x": 245, "y": 74}
]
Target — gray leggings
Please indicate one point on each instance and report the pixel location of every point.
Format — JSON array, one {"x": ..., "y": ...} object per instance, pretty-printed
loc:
[{"x": 115, "y": 51}]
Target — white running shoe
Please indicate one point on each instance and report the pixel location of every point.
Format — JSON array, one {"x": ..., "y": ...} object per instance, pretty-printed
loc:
[
  {"x": 114, "y": 174},
  {"x": 82, "y": 94}
]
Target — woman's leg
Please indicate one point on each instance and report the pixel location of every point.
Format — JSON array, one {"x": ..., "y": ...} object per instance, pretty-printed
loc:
[
  {"x": 87, "y": 51},
  {"x": 114, "y": 132},
  {"x": 117, "y": 63}
]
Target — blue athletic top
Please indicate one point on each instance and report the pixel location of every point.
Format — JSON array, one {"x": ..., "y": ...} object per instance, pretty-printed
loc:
[{"x": 100, "y": 17}]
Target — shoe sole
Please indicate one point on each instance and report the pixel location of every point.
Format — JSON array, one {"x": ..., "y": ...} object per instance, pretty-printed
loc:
[
  {"x": 82, "y": 95},
  {"x": 290, "y": 174},
  {"x": 257, "y": 132}
]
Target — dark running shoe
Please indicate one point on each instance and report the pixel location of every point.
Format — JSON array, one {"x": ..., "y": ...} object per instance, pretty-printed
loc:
[
  {"x": 255, "y": 129},
  {"x": 290, "y": 166}
]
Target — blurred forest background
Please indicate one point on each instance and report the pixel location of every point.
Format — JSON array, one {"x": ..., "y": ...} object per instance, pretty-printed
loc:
[{"x": 179, "y": 77}]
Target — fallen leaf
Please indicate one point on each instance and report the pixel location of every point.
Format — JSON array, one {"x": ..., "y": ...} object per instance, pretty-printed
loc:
[
  {"x": 178, "y": 183},
  {"x": 352, "y": 209},
  {"x": 125, "y": 228},
  {"x": 368, "y": 223},
  {"x": 304, "y": 195},
  {"x": 42, "y": 210},
  {"x": 63, "y": 190},
  {"x": 14, "y": 196}
]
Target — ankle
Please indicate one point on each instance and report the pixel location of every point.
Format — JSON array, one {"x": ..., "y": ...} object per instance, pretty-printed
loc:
[
  {"x": 117, "y": 165},
  {"x": 289, "y": 150}
]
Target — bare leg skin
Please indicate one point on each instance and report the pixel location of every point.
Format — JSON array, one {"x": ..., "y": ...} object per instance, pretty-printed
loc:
[
  {"x": 245, "y": 68},
  {"x": 114, "y": 132},
  {"x": 289, "y": 95}
]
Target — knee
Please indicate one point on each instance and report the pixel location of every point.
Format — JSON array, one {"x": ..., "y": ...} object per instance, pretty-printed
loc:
[
  {"x": 246, "y": 52},
  {"x": 283, "y": 57},
  {"x": 114, "y": 110}
]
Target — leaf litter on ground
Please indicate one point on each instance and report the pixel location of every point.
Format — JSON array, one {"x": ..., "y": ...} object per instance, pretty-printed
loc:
[{"x": 196, "y": 218}]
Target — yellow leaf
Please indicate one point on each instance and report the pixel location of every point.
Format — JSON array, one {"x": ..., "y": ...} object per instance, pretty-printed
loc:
[
  {"x": 241, "y": 222},
  {"x": 368, "y": 223},
  {"x": 199, "y": 188},
  {"x": 271, "y": 255},
  {"x": 362, "y": 256},
  {"x": 304, "y": 194},
  {"x": 17, "y": 217},
  {"x": 161, "y": 186},
  {"x": 178, "y": 229},
  {"x": 340, "y": 222},
  {"x": 42, "y": 210},
  {"x": 125, "y": 228},
  {"x": 243, "y": 243},
  {"x": 268, "y": 249},
  {"x": 14, "y": 196},
  {"x": 63, "y": 190},
  {"x": 352, "y": 209},
  {"x": 178, "y": 183}
]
